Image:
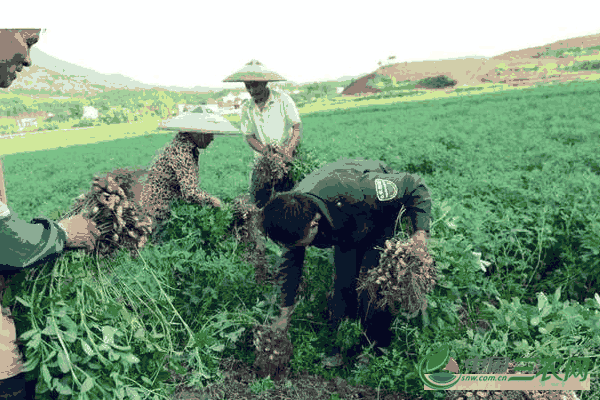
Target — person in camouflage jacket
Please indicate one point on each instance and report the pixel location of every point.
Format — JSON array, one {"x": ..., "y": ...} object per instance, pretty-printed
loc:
[
  {"x": 353, "y": 206},
  {"x": 24, "y": 244}
]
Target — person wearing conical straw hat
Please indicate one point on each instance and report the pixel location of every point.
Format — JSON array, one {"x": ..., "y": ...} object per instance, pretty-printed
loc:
[
  {"x": 269, "y": 117},
  {"x": 25, "y": 244}
]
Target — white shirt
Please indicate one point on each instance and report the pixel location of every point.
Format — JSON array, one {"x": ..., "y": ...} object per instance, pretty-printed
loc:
[
  {"x": 4, "y": 211},
  {"x": 274, "y": 123}
]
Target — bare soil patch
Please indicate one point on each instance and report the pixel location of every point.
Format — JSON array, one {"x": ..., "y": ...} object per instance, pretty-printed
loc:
[{"x": 238, "y": 376}]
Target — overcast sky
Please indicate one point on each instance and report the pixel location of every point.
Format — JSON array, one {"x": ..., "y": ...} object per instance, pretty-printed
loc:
[{"x": 185, "y": 43}]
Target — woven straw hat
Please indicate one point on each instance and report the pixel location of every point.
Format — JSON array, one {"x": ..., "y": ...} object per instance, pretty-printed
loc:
[
  {"x": 215, "y": 124},
  {"x": 254, "y": 71}
]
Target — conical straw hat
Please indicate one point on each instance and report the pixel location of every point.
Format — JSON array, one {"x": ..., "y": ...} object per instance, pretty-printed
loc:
[{"x": 254, "y": 71}]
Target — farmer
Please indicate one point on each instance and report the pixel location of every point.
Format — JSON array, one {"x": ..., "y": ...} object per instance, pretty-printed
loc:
[
  {"x": 25, "y": 244},
  {"x": 353, "y": 206},
  {"x": 269, "y": 117}
]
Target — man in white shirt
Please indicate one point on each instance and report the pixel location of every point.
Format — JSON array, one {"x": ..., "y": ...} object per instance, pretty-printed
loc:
[{"x": 269, "y": 117}]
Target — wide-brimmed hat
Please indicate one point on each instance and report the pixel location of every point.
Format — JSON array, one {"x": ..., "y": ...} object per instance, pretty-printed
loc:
[
  {"x": 254, "y": 71},
  {"x": 215, "y": 124}
]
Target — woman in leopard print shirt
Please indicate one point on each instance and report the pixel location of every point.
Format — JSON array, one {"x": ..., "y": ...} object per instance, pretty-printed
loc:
[{"x": 174, "y": 174}]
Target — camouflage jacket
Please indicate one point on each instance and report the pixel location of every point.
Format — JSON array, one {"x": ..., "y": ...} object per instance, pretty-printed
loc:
[
  {"x": 22, "y": 244},
  {"x": 360, "y": 201}
]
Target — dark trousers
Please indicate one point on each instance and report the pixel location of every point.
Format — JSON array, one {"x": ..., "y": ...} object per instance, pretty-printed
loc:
[
  {"x": 346, "y": 302},
  {"x": 261, "y": 194}
]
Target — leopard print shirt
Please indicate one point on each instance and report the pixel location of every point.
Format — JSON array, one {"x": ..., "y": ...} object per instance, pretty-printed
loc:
[{"x": 173, "y": 175}]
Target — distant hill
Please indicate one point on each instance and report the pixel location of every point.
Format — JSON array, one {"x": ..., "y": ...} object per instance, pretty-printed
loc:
[
  {"x": 53, "y": 75},
  {"x": 504, "y": 68},
  {"x": 49, "y": 73}
]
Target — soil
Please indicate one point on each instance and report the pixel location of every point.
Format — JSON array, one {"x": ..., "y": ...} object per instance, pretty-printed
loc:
[
  {"x": 238, "y": 376},
  {"x": 472, "y": 71},
  {"x": 360, "y": 86}
]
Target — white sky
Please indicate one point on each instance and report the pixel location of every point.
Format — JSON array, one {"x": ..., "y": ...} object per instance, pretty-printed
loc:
[{"x": 187, "y": 43}]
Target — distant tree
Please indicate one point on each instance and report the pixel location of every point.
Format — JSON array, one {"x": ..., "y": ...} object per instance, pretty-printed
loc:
[
  {"x": 437, "y": 82},
  {"x": 313, "y": 87},
  {"x": 76, "y": 111}
]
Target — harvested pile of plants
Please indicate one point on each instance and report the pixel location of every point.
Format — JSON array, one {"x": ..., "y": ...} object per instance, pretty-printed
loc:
[
  {"x": 272, "y": 166},
  {"x": 273, "y": 351},
  {"x": 245, "y": 228},
  {"x": 111, "y": 204},
  {"x": 405, "y": 274}
]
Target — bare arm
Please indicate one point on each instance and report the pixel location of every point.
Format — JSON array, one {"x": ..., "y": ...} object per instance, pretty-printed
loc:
[
  {"x": 186, "y": 174},
  {"x": 2, "y": 188},
  {"x": 254, "y": 143},
  {"x": 293, "y": 141}
]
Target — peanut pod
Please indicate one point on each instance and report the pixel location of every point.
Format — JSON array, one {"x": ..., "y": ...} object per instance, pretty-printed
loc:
[{"x": 111, "y": 204}]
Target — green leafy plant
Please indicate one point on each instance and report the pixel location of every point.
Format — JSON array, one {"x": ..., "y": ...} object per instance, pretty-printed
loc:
[
  {"x": 262, "y": 385},
  {"x": 306, "y": 161}
]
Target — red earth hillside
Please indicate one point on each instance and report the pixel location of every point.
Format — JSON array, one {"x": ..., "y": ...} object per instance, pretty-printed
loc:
[{"x": 473, "y": 71}]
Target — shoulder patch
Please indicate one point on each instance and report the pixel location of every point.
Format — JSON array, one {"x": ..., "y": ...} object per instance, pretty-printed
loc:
[{"x": 386, "y": 190}]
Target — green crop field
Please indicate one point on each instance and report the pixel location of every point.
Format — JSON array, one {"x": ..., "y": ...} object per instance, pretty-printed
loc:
[{"x": 514, "y": 175}]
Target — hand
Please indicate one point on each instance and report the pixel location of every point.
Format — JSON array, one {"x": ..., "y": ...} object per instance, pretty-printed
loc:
[
  {"x": 2, "y": 188},
  {"x": 81, "y": 232},
  {"x": 282, "y": 323},
  {"x": 288, "y": 154},
  {"x": 420, "y": 238},
  {"x": 215, "y": 202}
]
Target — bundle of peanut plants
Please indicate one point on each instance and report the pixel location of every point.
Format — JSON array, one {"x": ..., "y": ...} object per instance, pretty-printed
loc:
[
  {"x": 111, "y": 204},
  {"x": 405, "y": 274}
]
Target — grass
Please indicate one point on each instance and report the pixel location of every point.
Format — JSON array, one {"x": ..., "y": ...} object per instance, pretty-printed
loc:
[
  {"x": 513, "y": 175},
  {"x": 66, "y": 137}
]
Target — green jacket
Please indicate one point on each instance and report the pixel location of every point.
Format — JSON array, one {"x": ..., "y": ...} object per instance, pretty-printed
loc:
[
  {"x": 360, "y": 200},
  {"x": 22, "y": 244}
]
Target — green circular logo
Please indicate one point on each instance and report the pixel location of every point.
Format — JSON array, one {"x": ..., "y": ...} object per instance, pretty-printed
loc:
[{"x": 442, "y": 368}]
